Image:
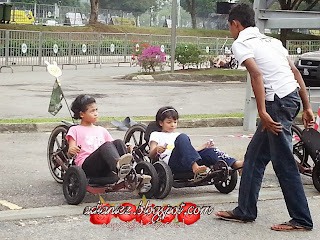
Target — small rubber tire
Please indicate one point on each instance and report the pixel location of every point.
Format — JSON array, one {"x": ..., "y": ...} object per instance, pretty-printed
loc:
[
  {"x": 165, "y": 179},
  {"x": 74, "y": 185},
  {"x": 316, "y": 176},
  {"x": 228, "y": 185},
  {"x": 148, "y": 169}
]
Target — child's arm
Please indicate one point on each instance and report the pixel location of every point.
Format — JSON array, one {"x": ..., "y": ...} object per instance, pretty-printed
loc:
[
  {"x": 73, "y": 148},
  {"x": 155, "y": 149},
  {"x": 205, "y": 145}
]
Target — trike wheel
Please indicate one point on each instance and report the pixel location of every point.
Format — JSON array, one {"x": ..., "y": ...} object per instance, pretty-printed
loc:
[
  {"x": 57, "y": 142},
  {"x": 165, "y": 179},
  {"x": 299, "y": 151},
  {"x": 74, "y": 185},
  {"x": 135, "y": 135},
  {"x": 148, "y": 169},
  {"x": 234, "y": 63},
  {"x": 229, "y": 184},
  {"x": 316, "y": 176}
]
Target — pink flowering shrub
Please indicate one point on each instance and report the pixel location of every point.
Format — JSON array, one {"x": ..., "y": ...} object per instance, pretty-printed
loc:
[{"x": 151, "y": 58}]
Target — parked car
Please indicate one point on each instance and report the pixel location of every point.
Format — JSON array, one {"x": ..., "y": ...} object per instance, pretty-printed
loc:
[{"x": 309, "y": 67}]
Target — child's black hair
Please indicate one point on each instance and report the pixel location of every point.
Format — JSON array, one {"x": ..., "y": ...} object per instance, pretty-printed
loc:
[
  {"x": 80, "y": 104},
  {"x": 243, "y": 13},
  {"x": 166, "y": 112}
]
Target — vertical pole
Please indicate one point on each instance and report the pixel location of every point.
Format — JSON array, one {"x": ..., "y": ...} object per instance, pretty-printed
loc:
[
  {"x": 173, "y": 32},
  {"x": 40, "y": 49},
  {"x": 69, "y": 50},
  {"x": 98, "y": 60},
  {"x": 6, "y": 51},
  {"x": 35, "y": 10},
  {"x": 250, "y": 108},
  {"x": 125, "y": 47}
]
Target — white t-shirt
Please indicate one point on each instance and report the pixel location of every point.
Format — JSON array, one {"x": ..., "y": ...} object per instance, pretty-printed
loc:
[
  {"x": 270, "y": 57},
  {"x": 163, "y": 138}
]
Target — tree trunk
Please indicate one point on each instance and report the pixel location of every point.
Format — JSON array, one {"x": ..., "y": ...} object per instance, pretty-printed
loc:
[
  {"x": 284, "y": 36},
  {"x": 193, "y": 14},
  {"x": 94, "y": 11},
  {"x": 194, "y": 20},
  {"x": 191, "y": 8}
]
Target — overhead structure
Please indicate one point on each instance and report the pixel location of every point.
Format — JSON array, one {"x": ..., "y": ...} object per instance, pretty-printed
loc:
[{"x": 270, "y": 19}]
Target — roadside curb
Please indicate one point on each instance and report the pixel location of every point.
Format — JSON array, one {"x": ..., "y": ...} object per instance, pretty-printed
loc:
[
  {"x": 193, "y": 123},
  {"x": 48, "y": 127},
  {"x": 185, "y": 77}
]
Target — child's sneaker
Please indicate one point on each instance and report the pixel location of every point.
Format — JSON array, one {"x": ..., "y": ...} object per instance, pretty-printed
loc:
[
  {"x": 145, "y": 183},
  {"x": 124, "y": 165}
]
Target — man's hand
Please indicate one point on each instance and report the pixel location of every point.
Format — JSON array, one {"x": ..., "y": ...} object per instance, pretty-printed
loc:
[
  {"x": 269, "y": 124},
  {"x": 308, "y": 118}
]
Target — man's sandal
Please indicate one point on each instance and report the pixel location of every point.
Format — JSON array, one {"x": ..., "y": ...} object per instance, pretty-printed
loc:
[
  {"x": 229, "y": 216},
  {"x": 289, "y": 226}
]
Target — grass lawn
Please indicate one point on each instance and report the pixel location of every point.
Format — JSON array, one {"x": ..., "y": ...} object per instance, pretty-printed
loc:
[
  {"x": 220, "y": 72},
  {"x": 99, "y": 27},
  {"x": 136, "y": 118}
]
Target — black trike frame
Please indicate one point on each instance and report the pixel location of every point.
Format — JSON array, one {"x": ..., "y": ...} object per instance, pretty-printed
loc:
[
  {"x": 75, "y": 182},
  {"x": 223, "y": 177},
  {"x": 306, "y": 149}
]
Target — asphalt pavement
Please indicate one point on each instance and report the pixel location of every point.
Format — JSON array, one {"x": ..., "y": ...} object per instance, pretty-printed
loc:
[{"x": 27, "y": 94}]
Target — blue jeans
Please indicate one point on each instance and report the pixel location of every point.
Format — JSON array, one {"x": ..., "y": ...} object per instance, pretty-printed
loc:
[
  {"x": 266, "y": 146},
  {"x": 184, "y": 155}
]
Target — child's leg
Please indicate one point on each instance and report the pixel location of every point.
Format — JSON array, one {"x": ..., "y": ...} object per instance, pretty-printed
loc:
[
  {"x": 184, "y": 157},
  {"x": 211, "y": 155},
  {"x": 120, "y": 146},
  {"x": 101, "y": 162}
]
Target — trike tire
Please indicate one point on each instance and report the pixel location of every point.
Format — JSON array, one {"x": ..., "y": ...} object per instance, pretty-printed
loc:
[
  {"x": 228, "y": 185},
  {"x": 148, "y": 169},
  {"x": 316, "y": 176},
  {"x": 135, "y": 135},
  {"x": 165, "y": 179},
  {"x": 74, "y": 185},
  {"x": 53, "y": 145}
]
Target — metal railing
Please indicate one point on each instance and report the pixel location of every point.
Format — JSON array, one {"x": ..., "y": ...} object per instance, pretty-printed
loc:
[{"x": 27, "y": 48}]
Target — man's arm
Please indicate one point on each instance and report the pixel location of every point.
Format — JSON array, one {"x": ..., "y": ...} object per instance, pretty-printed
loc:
[
  {"x": 259, "y": 93},
  {"x": 307, "y": 115}
]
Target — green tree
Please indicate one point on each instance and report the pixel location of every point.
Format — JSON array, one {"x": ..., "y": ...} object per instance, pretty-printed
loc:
[
  {"x": 205, "y": 7},
  {"x": 190, "y": 7},
  {"x": 136, "y": 7},
  {"x": 73, "y": 3}
]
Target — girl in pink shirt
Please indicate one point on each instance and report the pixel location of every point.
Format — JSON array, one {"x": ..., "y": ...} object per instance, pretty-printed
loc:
[{"x": 96, "y": 151}]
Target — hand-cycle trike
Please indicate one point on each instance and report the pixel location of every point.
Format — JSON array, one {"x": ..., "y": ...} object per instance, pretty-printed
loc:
[{"x": 75, "y": 183}]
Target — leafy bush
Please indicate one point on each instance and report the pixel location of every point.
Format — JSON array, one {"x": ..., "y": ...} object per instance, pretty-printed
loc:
[
  {"x": 188, "y": 54},
  {"x": 151, "y": 58}
]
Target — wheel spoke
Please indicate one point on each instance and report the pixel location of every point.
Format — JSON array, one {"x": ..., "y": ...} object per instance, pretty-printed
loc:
[
  {"x": 134, "y": 140},
  {"x": 141, "y": 138},
  {"x": 57, "y": 142}
]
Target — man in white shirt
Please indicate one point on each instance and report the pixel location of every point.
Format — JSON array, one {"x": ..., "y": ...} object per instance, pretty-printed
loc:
[{"x": 277, "y": 85}]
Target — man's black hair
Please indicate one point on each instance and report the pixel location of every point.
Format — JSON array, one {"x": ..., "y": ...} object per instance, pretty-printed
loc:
[{"x": 243, "y": 13}]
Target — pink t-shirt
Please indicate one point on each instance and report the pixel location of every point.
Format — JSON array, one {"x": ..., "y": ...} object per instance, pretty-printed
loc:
[{"x": 89, "y": 138}]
